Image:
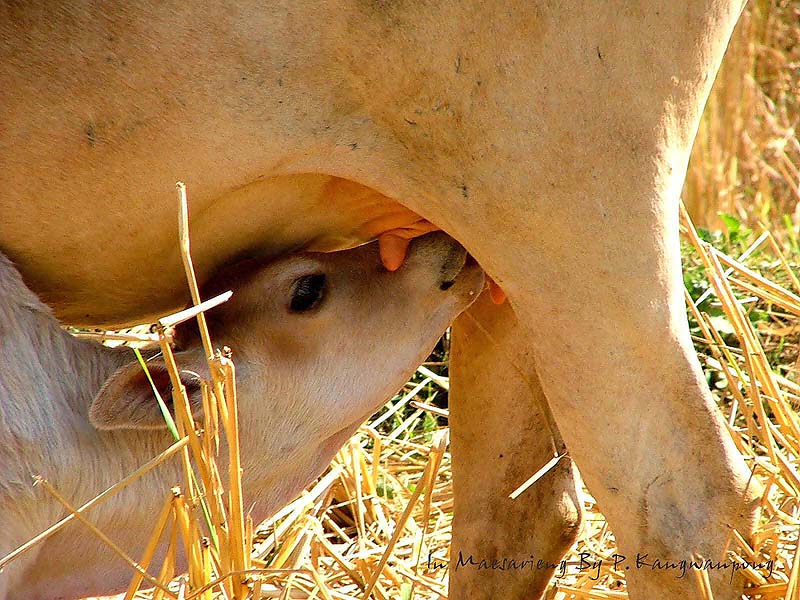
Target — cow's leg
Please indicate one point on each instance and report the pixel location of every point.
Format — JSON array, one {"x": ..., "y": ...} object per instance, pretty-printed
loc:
[
  {"x": 500, "y": 437},
  {"x": 614, "y": 356},
  {"x": 568, "y": 194}
]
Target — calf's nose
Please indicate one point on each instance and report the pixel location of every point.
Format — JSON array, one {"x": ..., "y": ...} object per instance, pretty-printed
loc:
[
  {"x": 441, "y": 255},
  {"x": 453, "y": 264}
]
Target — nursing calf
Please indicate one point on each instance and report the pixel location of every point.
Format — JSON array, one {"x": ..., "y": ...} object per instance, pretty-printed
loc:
[{"x": 319, "y": 341}]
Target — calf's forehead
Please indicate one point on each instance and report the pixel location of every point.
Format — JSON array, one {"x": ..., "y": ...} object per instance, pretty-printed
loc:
[{"x": 265, "y": 274}]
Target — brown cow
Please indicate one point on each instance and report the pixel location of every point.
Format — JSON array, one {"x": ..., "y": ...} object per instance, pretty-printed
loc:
[{"x": 549, "y": 138}]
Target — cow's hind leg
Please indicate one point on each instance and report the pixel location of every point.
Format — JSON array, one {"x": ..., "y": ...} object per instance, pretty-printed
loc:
[
  {"x": 615, "y": 358},
  {"x": 501, "y": 436}
]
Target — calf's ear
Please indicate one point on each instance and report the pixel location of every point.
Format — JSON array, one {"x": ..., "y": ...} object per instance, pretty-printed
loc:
[{"x": 127, "y": 400}]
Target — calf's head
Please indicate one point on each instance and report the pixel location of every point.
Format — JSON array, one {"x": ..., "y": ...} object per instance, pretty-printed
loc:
[{"x": 319, "y": 341}]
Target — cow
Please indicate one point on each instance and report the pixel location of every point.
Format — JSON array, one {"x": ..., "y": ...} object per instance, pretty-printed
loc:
[
  {"x": 320, "y": 342},
  {"x": 550, "y": 138}
]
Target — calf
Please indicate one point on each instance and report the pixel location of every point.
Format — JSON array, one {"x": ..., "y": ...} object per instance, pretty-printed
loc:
[{"x": 320, "y": 340}]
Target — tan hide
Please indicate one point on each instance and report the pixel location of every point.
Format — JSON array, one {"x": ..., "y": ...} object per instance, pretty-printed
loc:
[{"x": 550, "y": 138}]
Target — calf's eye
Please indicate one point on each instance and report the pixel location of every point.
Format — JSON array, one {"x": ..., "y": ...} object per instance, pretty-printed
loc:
[{"x": 307, "y": 292}]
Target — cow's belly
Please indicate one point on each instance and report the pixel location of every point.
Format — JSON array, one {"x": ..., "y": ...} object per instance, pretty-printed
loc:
[{"x": 118, "y": 262}]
